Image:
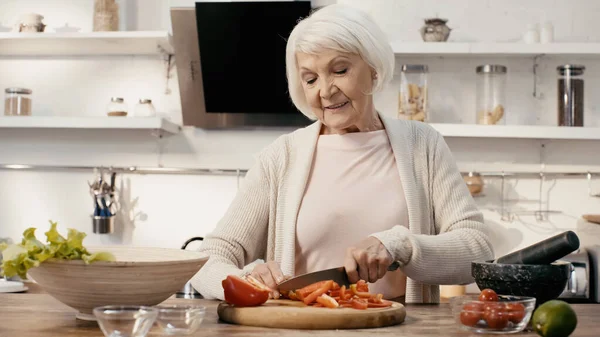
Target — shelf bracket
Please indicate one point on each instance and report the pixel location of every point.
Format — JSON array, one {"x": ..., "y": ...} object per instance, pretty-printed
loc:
[
  {"x": 169, "y": 65},
  {"x": 160, "y": 146},
  {"x": 535, "y": 77}
]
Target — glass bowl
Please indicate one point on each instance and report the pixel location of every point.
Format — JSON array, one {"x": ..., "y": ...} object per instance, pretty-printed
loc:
[
  {"x": 510, "y": 314},
  {"x": 125, "y": 321},
  {"x": 180, "y": 319}
]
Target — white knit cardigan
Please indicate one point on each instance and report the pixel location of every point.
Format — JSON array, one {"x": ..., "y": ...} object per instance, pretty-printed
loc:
[{"x": 444, "y": 234}]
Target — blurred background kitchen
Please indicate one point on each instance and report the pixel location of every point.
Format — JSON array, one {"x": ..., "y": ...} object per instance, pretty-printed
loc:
[{"x": 516, "y": 170}]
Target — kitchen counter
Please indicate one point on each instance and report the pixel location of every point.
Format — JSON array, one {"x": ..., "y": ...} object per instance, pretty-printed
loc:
[{"x": 36, "y": 314}]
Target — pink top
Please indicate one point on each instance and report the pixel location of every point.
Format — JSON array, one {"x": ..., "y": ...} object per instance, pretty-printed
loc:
[{"x": 354, "y": 190}]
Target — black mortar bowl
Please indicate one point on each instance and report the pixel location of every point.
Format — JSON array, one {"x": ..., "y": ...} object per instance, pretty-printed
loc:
[{"x": 545, "y": 282}]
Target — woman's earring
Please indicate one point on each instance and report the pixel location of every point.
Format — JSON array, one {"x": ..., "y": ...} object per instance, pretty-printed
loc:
[{"x": 375, "y": 76}]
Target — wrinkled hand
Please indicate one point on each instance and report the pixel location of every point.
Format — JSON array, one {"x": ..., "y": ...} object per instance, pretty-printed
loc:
[
  {"x": 368, "y": 260},
  {"x": 269, "y": 274}
]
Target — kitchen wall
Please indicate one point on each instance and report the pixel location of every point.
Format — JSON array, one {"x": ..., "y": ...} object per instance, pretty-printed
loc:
[{"x": 161, "y": 210}]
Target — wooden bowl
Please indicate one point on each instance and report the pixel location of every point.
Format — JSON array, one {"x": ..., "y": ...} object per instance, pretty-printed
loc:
[{"x": 139, "y": 276}]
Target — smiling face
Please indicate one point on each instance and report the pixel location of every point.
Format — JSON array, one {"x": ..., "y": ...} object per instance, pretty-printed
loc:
[{"x": 337, "y": 87}]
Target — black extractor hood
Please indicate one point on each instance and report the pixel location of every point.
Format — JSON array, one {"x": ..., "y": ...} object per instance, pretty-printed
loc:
[{"x": 230, "y": 59}]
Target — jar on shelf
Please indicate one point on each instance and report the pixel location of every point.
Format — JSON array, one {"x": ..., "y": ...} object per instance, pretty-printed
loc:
[
  {"x": 17, "y": 102},
  {"x": 570, "y": 95},
  {"x": 412, "y": 96},
  {"x": 117, "y": 107},
  {"x": 144, "y": 108},
  {"x": 491, "y": 94},
  {"x": 106, "y": 16}
]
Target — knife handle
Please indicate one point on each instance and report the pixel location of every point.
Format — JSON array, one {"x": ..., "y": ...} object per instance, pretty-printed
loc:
[{"x": 394, "y": 266}]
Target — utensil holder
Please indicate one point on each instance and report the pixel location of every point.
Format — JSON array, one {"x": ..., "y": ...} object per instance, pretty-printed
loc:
[{"x": 103, "y": 225}]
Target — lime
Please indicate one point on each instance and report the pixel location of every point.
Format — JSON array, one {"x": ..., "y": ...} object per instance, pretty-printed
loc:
[{"x": 554, "y": 318}]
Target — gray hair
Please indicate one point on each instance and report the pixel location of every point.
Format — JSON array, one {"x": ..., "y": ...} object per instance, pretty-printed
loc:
[{"x": 342, "y": 28}]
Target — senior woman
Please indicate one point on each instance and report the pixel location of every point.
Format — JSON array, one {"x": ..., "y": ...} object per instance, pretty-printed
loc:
[{"x": 354, "y": 188}]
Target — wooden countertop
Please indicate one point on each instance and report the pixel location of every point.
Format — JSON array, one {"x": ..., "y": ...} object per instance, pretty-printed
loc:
[{"x": 36, "y": 314}]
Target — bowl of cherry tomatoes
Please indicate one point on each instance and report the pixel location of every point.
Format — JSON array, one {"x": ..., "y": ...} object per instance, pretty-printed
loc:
[{"x": 489, "y": 312}]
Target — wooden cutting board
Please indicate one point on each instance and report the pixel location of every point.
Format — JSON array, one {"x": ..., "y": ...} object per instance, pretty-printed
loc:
[
  {"x": 286, "y": 314},
  {"x": 595, "y": 218}
]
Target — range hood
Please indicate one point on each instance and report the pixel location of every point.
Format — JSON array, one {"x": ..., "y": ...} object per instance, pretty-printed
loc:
[{"x": 194, "y": 100}]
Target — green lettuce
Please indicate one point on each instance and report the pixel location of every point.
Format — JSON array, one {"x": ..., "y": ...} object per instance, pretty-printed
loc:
[{"x": 17, "y": 259}]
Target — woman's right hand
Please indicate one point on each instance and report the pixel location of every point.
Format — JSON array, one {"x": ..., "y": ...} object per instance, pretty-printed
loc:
[{"x": 270, "y": 275}]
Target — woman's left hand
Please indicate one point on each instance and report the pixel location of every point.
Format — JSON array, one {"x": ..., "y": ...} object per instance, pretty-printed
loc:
[{"x": 368, "y": 260}]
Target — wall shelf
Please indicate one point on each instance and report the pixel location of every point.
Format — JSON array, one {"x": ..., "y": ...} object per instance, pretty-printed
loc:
[
  {"x": 90, "y": 123},
  {"x": 517, "y": 131},
  {"x": 81, "y": 44},
  {"x": 495, "y": 49}
]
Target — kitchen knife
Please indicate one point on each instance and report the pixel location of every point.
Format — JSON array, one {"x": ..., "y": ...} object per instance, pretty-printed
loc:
[{"x": 338, "y": 275}]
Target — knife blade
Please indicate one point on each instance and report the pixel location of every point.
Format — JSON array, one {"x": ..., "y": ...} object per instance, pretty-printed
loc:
[{"x": 338, "y": 275}]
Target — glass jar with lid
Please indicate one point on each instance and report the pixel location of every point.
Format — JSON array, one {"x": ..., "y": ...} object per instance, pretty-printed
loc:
[
  {"x": 491, "y": 94},
  {"x": 17, "y": 102},
  {"x": 412, "y": 96},
  {"x": 144, "y": 108},
  {"x": 117, "y": 107},
  {"x": 570, "y": 94}
]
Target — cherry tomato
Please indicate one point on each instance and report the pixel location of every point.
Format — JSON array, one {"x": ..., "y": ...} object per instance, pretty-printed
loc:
[
  {"x": 496, "y": 317},
  {"x": 471, "y": 313},
  {"x": 493, "y": 306},
  {"x": 516, "y": 312},
  {"x": 488, "y": 295},
  {"x": 243, "y": 293}
]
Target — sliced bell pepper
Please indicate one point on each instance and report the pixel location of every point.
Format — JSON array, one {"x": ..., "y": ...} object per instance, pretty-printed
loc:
[
  {"x": 310, "y": 288},
  {"x": 322, "y": 290},
  {"x": 382, "y": 304},
  {"x": 361, "y": 294},
  {"x": 327, "y": 301},
  {"x": 359, "y": 304},
  {"x": 362, "y": 286}
]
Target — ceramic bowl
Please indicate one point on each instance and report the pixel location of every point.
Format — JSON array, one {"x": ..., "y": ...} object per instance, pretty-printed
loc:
[{"x": 139, "y": 276}]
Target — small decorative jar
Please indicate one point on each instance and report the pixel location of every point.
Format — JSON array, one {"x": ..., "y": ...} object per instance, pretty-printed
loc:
[
  {"x": 144, "y": 108},
  {"x": 30, "y": 23},
  {"x": 117, "y": 107},
  {"x": 435, "y": 30},
  {"x": 17, "y": 102}
]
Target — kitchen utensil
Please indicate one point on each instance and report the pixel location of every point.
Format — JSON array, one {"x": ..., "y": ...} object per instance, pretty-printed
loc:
[
  {"x": 139, "y": 276},
  {"x": 286, "y": 314},
  {"x": 545, "y": 251},
  {"x": 125, "y": 321},
  {"x": 542, "y": 281},
  {"x": 188, "y": 290},
  {"x": 594, "y": 218},
  {"x": 337, "y": 274},
  {"x": 180, "y": 319},
  {"x": 470, "y": 318},
  {"x": 583, "y": 281},
  {"x": 103, "y": 224}
]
